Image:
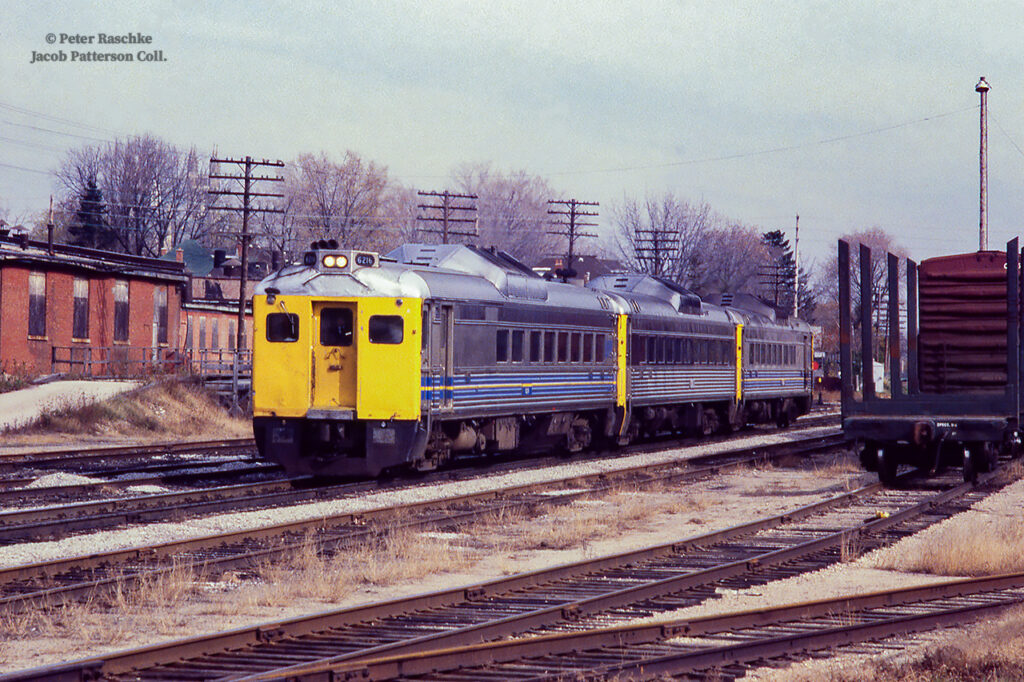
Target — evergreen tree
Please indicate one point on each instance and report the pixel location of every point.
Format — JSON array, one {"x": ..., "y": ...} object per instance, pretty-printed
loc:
[
  {"x": 89, "y": 227},
  {"x": 779, "y": 276}
]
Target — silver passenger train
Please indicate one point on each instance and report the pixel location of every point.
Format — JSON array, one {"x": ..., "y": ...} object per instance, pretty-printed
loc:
[{"x": 365, "y": 363}]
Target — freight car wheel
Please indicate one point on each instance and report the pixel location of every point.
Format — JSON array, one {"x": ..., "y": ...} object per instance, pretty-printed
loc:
[
  {"x": 869, "y": 456},
  {"x": 887, "y": 466},
  {"x": 970, "y": 467}
]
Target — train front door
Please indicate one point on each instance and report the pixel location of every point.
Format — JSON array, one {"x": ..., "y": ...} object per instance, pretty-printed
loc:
[{"x": 334, "y": 355}]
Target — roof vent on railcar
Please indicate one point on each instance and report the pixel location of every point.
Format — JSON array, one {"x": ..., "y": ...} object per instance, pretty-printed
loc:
[
  {"x": 745, "y": 302},
  {"x": 508, "y": 275},
  {"x": 682, "y": 299}
]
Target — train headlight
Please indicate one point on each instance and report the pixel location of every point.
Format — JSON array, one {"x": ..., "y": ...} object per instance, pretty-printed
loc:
[{"x": 334, "y": 261}]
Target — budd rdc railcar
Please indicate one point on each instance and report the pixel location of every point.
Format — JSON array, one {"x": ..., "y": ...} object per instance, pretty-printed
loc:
[
  {"x": 364, "y": 363},
  {"x": 961, "y": 403}
]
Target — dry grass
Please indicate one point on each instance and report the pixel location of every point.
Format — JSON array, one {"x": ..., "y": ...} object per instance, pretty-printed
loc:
[
  {"x": 991, "y": 651},
  {"x": 390, "y": 556},
  {"x": 975, "y": 544},
  {"x": 576, "y": 525},
  {"x": 165, "y": 411},
  {"x": 151, "y": 605}
]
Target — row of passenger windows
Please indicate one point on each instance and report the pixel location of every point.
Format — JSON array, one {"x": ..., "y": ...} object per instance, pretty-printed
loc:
[
  {"x": 336, "y": 327},
  {"x": 513, "y": 345},
  {"x": 762, "y": 354},
  {"x": 666, "y": 350}
]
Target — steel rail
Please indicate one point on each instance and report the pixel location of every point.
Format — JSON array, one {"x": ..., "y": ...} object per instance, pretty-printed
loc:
[
  {"x": 649, "y": 590},
  {"x": 25, "y": 494},
  {"x": 473, "y": 595},
  {"x": 60, "y": 520},
  {"x": 355, "y": 522},
  {"x": 53, "y": 458},
  {"x": 250, "y": 635},
  {"x": 626, "y": 642}
]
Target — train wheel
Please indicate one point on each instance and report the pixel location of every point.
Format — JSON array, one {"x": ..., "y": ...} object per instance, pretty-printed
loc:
[
  {"x": 887, "y": 467},
  {"x": 869, "y": 456},
  {"x": 970, "y": 466}
]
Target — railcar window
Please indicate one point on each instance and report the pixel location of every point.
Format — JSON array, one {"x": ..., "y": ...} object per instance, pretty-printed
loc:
[
  {"x": 652, "y": 350},
  {"x": 563, "y": 346},
  {"x": 335, "y": 326},
  {"x": 639, "y": 346},
  {"x": 502, "y": 345},
  {"x": 535, "y": 353},
  {"x": 588, "y": 348},
  {"x": 386, "y": 329},
  {"x": 517, "y": 345},
  {"x": 600, "y": 352},
  {"x": 670, "y": 351},
  {"x": 575, "y": 347},
  {"x": 549, "y": 346},
  {"x": 281, "y": 327}
]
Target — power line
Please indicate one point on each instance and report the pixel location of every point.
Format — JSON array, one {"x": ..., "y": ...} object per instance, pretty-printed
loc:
[{"x": 762, "y": 152}]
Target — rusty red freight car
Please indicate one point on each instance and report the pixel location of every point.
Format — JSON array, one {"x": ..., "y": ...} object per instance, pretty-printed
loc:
[{"x": 960, "y": 405}]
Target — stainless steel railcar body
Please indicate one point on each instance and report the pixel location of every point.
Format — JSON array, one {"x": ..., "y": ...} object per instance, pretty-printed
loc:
[{"x": 363, "y": 364}]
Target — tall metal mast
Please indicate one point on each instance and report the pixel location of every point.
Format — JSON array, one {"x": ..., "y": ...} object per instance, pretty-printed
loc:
[{"x": 982, "y": 89}]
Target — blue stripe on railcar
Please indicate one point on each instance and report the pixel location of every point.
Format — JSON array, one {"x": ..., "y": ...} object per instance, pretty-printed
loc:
[
  {"x": 468, "y": 389},
  {"x": 766, "y": 379}
]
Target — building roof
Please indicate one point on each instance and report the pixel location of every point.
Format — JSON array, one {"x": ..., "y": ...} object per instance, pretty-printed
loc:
[{"x": 20, "y": 249}]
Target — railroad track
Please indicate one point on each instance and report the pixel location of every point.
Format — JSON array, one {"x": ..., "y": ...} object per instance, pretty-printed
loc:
[
  {"x": 93, "y": 514},
  {"x": 723, "y": 647},
  {"x": 16, "y": 492},
  {"x": 109, "y": 459},
  {"x": 573, "y": 598},
  {"x": 71, "y": 578}
]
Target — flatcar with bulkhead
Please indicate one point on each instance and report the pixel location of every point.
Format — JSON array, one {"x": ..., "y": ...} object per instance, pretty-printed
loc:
[
  {"x": 961, "y": 402},
  {"x": 364, "y": 363}
]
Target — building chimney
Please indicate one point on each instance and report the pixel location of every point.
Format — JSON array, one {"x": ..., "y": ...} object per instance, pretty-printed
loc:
[{"x": 179, "y": 255}]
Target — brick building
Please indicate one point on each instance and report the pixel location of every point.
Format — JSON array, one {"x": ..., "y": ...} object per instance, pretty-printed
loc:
[{"x": 70, "y": 309}]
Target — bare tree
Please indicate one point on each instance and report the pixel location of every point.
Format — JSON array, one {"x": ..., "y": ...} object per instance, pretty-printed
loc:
[
  {"x": 662, "y": 235},
  {"x": 512, "y": 209},
  {"x": 728, "y": 259},
  {"x": 343, "y": 201},
  {"x": 155, "y": 194},
  {"x": 880, "y": 242}
]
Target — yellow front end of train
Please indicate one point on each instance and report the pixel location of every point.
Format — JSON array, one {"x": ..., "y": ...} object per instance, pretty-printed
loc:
[{"x": 336, "y": 382}]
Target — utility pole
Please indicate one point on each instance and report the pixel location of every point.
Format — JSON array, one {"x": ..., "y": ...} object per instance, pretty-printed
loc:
[
  {"x": 447, "y": 217},
  {"x": 796, "y": 270},
  {"x": 247, "y": 179},
  {"x": 572, "y": 224},
  {"x": 655, "y": 252},
  {"x": 982, "y": 89}
]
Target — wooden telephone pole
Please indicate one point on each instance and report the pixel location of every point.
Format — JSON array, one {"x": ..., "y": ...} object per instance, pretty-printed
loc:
[
  {"x": 448, "y": 217},
  {"x": 572, "y": 224},
  {"x": 247, "y": 179}
]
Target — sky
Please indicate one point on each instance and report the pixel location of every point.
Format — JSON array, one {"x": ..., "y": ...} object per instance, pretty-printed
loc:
[{"x": 853, "y": 115}]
